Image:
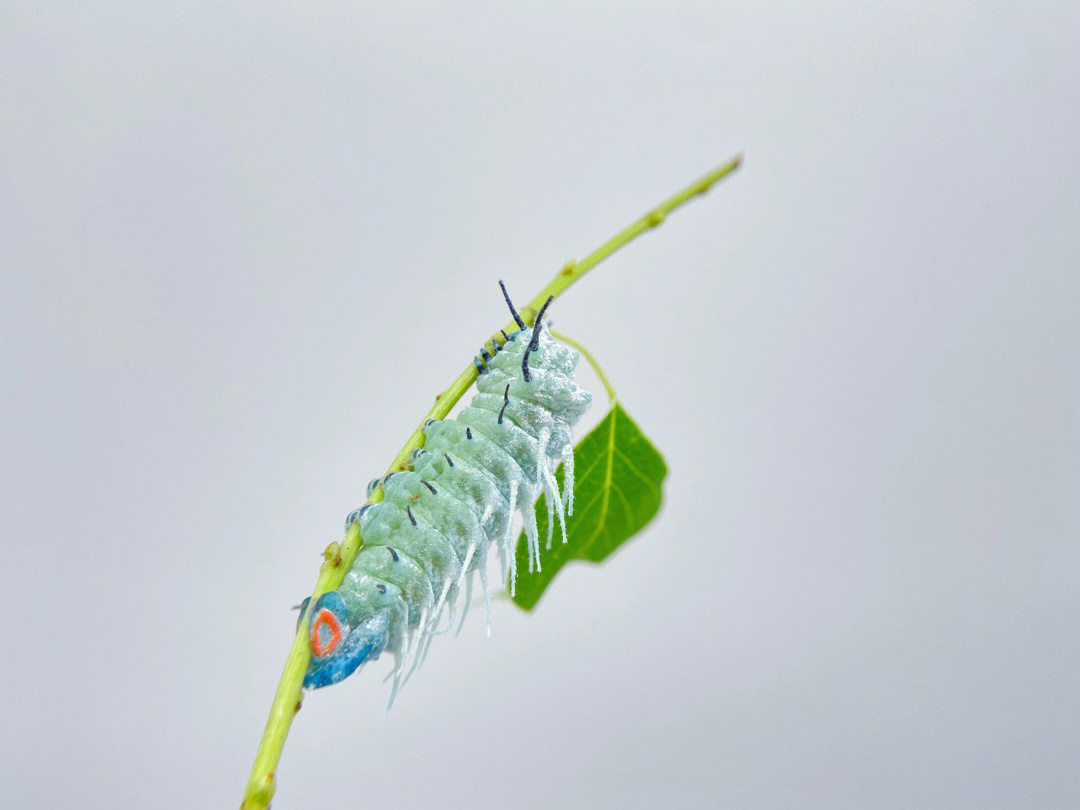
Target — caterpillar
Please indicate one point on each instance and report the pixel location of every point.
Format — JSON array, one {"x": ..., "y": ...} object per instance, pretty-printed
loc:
[{"x": 432, "y": 531}]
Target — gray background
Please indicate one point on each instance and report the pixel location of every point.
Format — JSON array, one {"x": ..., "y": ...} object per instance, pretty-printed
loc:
[{"x": 242, "y": 249}]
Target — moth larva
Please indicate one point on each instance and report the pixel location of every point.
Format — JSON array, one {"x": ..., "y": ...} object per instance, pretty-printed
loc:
[{"x": 424, "y": 541}]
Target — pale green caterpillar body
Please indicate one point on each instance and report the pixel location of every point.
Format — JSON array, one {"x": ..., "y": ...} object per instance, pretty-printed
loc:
[{"x": 431, "y": 533}]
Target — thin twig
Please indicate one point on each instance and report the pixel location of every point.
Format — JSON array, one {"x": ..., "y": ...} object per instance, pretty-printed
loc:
[{"x": 338, "y": 557}]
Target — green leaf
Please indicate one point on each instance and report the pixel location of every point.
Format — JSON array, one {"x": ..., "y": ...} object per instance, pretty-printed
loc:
[{"x": 617, "y": 491}]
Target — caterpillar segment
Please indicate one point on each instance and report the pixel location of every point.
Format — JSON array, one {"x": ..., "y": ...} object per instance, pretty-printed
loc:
[{"x": 431, "y": 533}]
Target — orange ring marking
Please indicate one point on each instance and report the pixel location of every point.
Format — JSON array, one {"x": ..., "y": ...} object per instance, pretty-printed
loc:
[{"x": 329, "y": 619}]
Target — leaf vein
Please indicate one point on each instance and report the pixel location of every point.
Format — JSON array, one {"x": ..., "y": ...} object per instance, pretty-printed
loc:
[{"x": 633, "y": 468}]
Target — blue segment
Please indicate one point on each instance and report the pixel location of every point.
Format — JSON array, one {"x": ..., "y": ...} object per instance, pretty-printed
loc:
[
  {"x": 335, "y": 602},
  {"x": 355, "y": 651},
  {"x": 361, "y": 643}
]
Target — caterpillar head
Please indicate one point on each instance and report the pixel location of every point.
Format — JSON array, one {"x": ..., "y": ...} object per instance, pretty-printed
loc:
[{"x": 337, "y": 647}]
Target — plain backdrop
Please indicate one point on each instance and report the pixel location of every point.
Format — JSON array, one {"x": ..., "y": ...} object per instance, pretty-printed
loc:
[{"x": 244, "y": 245}]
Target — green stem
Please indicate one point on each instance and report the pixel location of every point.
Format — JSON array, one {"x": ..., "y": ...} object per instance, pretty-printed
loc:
[{"x": 338, "y": 557}]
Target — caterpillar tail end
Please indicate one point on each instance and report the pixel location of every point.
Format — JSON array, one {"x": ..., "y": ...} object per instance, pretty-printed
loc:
[{"x": 339, "y": 647}]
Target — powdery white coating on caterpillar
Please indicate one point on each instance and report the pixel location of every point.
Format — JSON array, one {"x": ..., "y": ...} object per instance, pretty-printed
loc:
[{"x": 431, "y": 533}]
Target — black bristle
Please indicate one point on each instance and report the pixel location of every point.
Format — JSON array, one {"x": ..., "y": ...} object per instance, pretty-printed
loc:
[
  {"x": 506, "y": 401},
  {"x": 509, "y": 303},
  {"x": 534, "y": 344}
]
